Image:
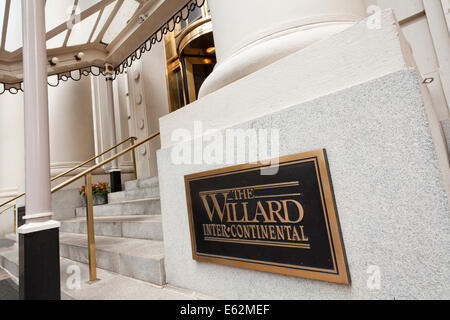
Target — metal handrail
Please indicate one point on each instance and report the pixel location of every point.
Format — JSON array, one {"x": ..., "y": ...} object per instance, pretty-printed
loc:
[
  {"x": 132, "y": 139},
  {"x": 91, "y": 159},
  {"x": 121, "y": 153},
  {"x": 88, "y": 191},
  {"x": 15, "y": 207},
  {"x": 89, "y": 206},
  {"x": 12, "y": 199}
]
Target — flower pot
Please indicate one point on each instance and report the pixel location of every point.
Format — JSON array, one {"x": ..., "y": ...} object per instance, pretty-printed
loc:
[{"x": 97, "y": 199}]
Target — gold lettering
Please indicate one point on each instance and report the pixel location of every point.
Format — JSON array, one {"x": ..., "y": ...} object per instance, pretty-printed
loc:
[
  {"x": 286, "y": 213},
  {"x": 218, "y": 230},
  {"x": 264, "y": 232},
  {"x": 227, "y": 206},
  {"x": 295, "y": 236},
  {"x": 273, "y": 211},
  {"x": 303, "y": 234},
  {"x": 280, "y": 233},
  {"x": 261, "y": 212},
  {"x": 239, "y": 231},
  {"x": 234, "y": 214},
  {"x": 288, "y": 231},
  {"x": 257, "y": 232},
  {"x": 224, "y": 231},
  {"x": 246, "y": 231},
  {"x": 239, "y": 194},
  {"x": 253, "y": 230},
  {"x": 205, "y": 230},
  {"x": 272, "y": 233},
  {"x": 244, "y": 207},
  {"x": 220, "y": 212},
  {"x": 233, "y": 233}
]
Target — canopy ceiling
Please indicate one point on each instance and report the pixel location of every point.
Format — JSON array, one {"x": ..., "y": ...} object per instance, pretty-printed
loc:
[{"x": 105, "y": 31}]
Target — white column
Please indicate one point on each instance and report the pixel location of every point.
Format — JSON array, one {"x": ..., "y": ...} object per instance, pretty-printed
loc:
[
  {"x": 439, "y": 33},
  {"x": 252, "y": 34},
  {"x": 111, "y": 117},
  {"x": 37, "y": 150}
]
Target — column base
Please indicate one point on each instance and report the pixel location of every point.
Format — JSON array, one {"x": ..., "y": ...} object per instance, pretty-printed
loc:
[
  {"x": 266, "y": 51},
  {"x": 116, "y": 181},
  {"x": 39, "y": 269}
]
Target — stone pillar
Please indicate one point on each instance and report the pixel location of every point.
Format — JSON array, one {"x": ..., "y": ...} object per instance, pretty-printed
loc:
[
  {"x": 39, "y": 273},
  {"x": 114, "y": 173},
  {"x": 252, "y": 34}
]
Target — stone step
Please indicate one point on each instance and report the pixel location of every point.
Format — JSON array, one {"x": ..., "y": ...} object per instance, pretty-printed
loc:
[
  {"x": 135, "y": 258},
  {"x": 133, "y": 194},
  {"x": 132, "y": 207},
  {"x": 138, "y": 227},
  {"x": 9, "y": 259},
  {"x": 110, "y": 286},
  {"x": 142, "y": 183},
  {"x": 11, "y": 236}
]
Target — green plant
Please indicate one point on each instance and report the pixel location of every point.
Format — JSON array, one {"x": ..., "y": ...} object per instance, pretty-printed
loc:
[{"x": 100, "y": 188}]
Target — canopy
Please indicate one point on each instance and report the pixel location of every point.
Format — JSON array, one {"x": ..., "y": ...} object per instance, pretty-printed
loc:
[{"x": 83, "y": 35}]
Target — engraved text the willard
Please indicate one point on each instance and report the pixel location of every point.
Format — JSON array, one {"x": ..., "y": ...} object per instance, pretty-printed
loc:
[{"x": 252, "y": 215}]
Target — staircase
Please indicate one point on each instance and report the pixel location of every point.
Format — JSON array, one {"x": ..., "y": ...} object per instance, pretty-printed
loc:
[
  {"x": 128, "y": 233},
  {"x": 128, "y": 241}
]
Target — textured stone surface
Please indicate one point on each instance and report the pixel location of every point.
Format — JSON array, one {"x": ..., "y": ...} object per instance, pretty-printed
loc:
[
  {"x": 8, "y": 289},
  {"x": 132, "y": 207},
  {"x": 6, "y": 243},
  {"x": 142, "y": 183},
  {"x": 9, "y": 260},
  {"x": 139, "y": 226},
  {"x": 133, "y": 194},
  {"x": 112, "y": 285},
  {"x": 390, "y": 198},
  {"x": 125, "y": 246},
  {"x": 140, "y": 259}
]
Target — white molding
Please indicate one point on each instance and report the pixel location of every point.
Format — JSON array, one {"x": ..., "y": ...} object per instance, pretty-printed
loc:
[
  {"x": 9, "y": 192},
  {"x": 38, "y": 215},
  {"x": 38, "y": 226},
  {"x": 58, "y": 168}
]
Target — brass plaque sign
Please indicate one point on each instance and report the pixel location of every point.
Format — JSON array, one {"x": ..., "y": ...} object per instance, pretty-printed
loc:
[{"x": 284, "y": 222}]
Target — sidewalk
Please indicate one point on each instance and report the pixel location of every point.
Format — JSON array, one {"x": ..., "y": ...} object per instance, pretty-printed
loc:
[{"x": 8, "y": 289}]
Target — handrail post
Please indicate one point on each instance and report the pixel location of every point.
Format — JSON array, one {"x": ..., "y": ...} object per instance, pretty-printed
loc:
[
  {"x": 15, "y": 217},
  {"x": 90, "y": 228},
  {"x": 134, "y": 159}
]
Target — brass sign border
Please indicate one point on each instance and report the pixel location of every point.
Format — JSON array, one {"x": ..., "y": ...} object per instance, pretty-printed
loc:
[{"x": 340, "y": 274}]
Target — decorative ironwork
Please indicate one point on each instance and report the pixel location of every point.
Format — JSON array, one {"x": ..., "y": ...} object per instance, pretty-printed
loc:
[
  {"x": 76, "y": 74},
  {"x": 157, "y": 36},
  {"x": 55, "y": 79},
  {"x": 12, "y": 88}
]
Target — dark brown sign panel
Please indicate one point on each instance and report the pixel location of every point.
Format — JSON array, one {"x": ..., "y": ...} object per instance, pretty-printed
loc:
[{"x": 284, "y": 222}]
